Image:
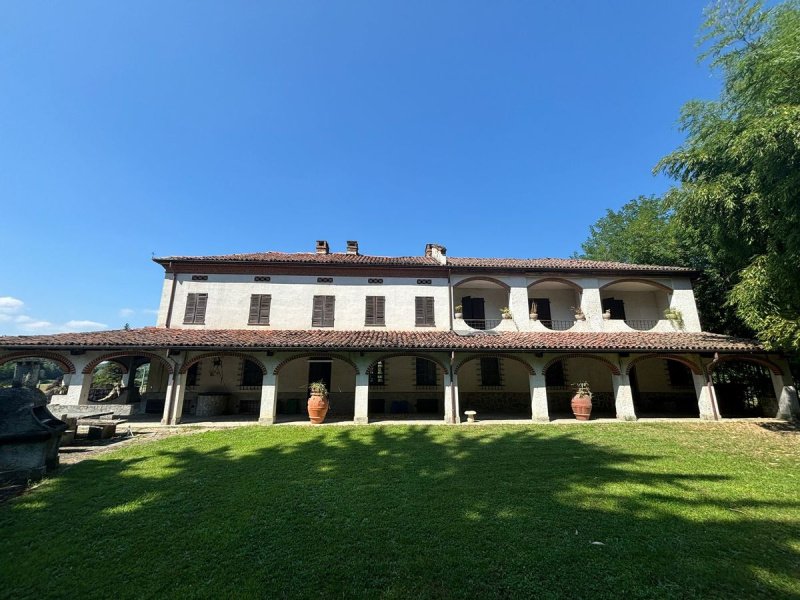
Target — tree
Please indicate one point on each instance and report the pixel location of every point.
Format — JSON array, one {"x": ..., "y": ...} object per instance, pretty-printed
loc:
[
  {"x": 649, "y": 230},
  {"x": 739, "y": 168}
]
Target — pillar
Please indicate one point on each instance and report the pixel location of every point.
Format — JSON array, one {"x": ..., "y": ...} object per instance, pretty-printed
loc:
[
  {"x": 177, "y": 406},
  {"x": 168, "y": 398},
  {"x": 623, "y": 397},
  {"x": 78, "y": 391},
  {"x": 361, "y": 410},
  {"x": 451, "y": 410},
  {"x": 591, "y": 305},
  {"x": 269, "y": 398},
  {"x": 788, "y": 407},
  {"x": 706, "y": 398},
  {"x": 538, "y": 387}
]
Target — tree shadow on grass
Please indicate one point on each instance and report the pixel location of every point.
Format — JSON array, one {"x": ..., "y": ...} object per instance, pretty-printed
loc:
[{"x": 398, "y": 512}]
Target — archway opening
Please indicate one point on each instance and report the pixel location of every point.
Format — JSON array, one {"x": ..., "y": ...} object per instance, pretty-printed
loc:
[
  {"x": 744, "y": 390},
  {"x": 223, "y": 387},
  {"x": 481, "y": 301},
  {"x": 292, "y": 391},
  {"x": 663, "y": 388},
  {"x": 561, "y": 378},
  {"x": 640, "y": 304},
  {"x": 497, "y": 388},
  {"x": 32, "y": 371},
  {"x": 553, "y": 302},
  {"x": 406, "y": 387}
]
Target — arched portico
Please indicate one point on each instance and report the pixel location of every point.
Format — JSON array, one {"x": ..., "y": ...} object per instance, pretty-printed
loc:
[
  {"x": 563, "y": 372},
  {"x": 407, "y": 385},
  {"x": 296, "y": 372},
  {"x": 481, "y": 299},
  {"x": 663, "y": 385}
]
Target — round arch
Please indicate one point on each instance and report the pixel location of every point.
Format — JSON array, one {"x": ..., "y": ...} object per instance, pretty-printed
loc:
[
  {"x": 571, "y": 284},
  {"x": 774, "y": 369},
  {"x": 190, "y": 363},
  {"x": 114, "y": 355},
  {"x": 64, "y": 363},
  {"x": 649, "y": 282},
  {"x": 693, "y": 367},
  {"x": 611, "y": 366},
  {"x": 440, "y": 364},
  {"x": 505, "y": 286},
  {"x": 341, "y": 357},
  {"x": 528, "y": 368}
]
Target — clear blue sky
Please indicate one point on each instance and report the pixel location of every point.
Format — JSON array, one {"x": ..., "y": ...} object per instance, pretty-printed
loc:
[{"x": 494, "y": 128}]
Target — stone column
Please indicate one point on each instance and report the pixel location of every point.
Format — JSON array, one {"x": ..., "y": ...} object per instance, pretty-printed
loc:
[
  {"x": 623, "y": 397},
  {"x": 451, "y": 409},
  {"x": 168, "y": 398},
  {"x": 788, "y": 407},
  {"x": 538, "y": 387},
  {"x": 591, "y": 305},
  {"x": 361, "y": 410},
  {"x": 78, "y": 391},
  {"x": 177, "y": 406},
  {"x": 269, "y": 398},
  {"x": 706, "y": 398}
]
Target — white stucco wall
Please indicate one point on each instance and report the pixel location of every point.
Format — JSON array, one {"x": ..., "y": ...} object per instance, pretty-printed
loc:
[
  {"x": 293, "y": 296},
  {"x": 292, "y": 300}
]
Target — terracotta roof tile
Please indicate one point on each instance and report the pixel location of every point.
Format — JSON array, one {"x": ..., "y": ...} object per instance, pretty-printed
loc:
[
  {"x": 341, "y": 258},
  {"x": 155, "y": 337}
]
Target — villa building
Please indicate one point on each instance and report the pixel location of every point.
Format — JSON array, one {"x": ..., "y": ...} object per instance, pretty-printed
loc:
[{"x": 246, "y": 333}]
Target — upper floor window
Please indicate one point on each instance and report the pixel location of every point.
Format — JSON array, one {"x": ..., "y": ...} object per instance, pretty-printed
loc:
[
  {"x": 424, "y": 311},
  {"x": 375, "y": 310},
  {"x": 195, "y": 309},
  {"x": 259, "y": 309},
  {"x": 322, "y": 314}
]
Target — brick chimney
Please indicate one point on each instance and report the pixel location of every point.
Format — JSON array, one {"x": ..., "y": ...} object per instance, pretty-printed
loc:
[
  {"x": 352, "y": 247},
  {"x": 322, "y": 247},
  {"x": 436, "y": 251}
]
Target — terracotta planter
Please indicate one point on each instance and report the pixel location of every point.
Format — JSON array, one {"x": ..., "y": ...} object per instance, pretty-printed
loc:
[
  {"x": 317, "y": 407},
  {"x": 581, "y": 407}
]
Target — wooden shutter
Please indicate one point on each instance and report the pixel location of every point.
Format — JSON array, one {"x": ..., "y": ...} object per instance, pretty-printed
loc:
[
  {"x": 317, "y": 312},
  {"x": 259, "y": 309},
  {"x": 191, "y": 306},
  {"x": 322, "y": 314},
  {"x": 200, "y": 312},
  {"x": 423, "y": 309},
  {"x": 375, "y": 310}
]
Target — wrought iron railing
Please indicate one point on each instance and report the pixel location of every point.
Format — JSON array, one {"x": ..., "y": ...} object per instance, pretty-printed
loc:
[
  {"x": 641, "y": 324},
  {"x": 558, "y": 324},
  {"x": 483, "y": 324}
]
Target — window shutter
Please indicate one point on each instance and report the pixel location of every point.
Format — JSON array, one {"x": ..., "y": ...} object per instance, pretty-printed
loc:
[
  {"x": 380, "y": 310},
  {"x": 316, "y": 314},
  {"x": 369, "y": 315},
  {"x": 423, "y": 308},
  {"x": 200, "y": 312},
  {"x": 327, "y": 318},
  {"x": 252, "y": 319},
  {"x": 375, "y": 310},
  {"x": 191, "y": 305},
  {"x": 263, "y": 312}
]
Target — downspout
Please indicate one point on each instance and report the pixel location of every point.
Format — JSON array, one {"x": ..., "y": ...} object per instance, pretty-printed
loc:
[
  {"x": 171, "y": 297},
  {"x": 709, "y": 384},
  {"x": 453, "y": 407},
  {"x": 175, "y": 374}
]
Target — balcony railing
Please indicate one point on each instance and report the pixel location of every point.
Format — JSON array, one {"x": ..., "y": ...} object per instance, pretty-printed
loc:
[
  {"x": 483, "y": 324},
  {"x": 641, "y": 324},
  {"x": 558, "y": 324}
]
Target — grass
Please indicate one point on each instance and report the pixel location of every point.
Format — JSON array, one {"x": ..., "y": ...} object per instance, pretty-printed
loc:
[{"x": 680, "y": 511}]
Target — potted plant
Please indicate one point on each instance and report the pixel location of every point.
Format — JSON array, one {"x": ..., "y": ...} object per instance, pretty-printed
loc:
[
  {"x": 318, "y": 401},
  {"x": 506, "y": 312},
  {"x": 582, "y": 401},
  {"x": 606, "y": 314},
  {"x": 579, "y": 316},
  {"x": 459, "y": 311}
]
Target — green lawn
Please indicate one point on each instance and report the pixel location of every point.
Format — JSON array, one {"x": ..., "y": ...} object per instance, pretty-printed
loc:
[{"x": 681, "y": 510}]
